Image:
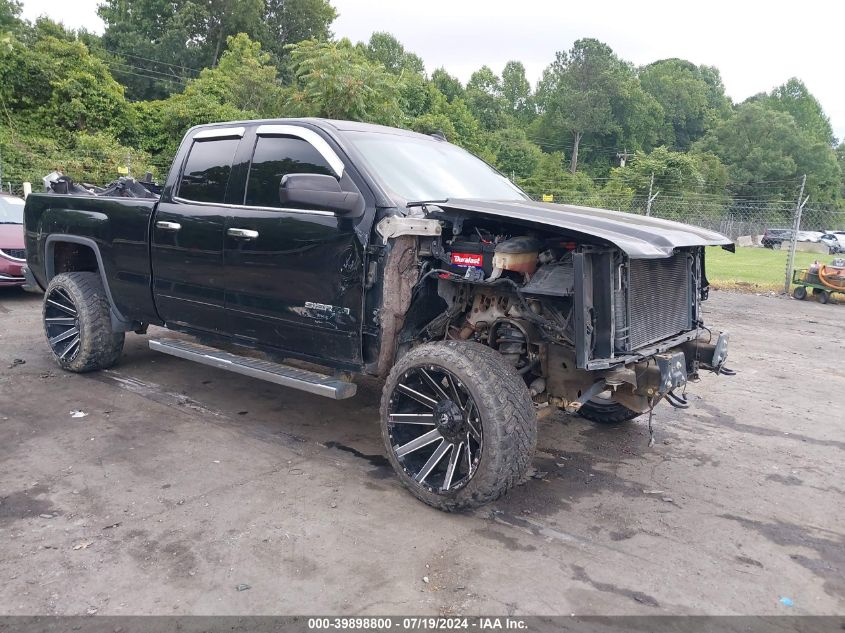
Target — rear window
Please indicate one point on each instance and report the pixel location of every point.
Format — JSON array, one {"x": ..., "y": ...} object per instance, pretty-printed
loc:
[
  {"x": 207, "y": 170},
  {"x": 275, "y": 157}
]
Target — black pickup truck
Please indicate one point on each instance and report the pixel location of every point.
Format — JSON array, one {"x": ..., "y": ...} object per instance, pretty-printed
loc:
[{"x": 371, "y": 250}]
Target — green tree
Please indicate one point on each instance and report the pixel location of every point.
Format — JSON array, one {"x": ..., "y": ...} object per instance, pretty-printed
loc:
[
  {"x": 61, "y": 108},
  {"x": 245, "y": 78},
  {"x": 47, "y": 81},
  {"x": 484, "y": 98},
  {"x": 417, "y": 95},
  {"x": 385, "y": 49},
  {"x": 99, "y": 159},
  {"x": 291, "y": 21},
  {"x": 675, "y": 173},
  {"x": 767, "y": 152},
  {"x": 157, "y": 45},
  {"x": 516, "y": 90},
  {"x": 516, "y": 156},
  {"x": 154, "y": 46},
  {"x": 794, "y": 97},
  {"x": 551, "y": 177},
  {"x": 692, "y": 97},
  {"x": 10, "y": 11},
  {"x": 578, "y": 93},
  {"x": 242, "y": 86},
  {"x": 449, "y": 85},
  {"x": 457, "y": 123},
  {"x": 640, "y": 117},
  {"x": 336, "y": 81}
]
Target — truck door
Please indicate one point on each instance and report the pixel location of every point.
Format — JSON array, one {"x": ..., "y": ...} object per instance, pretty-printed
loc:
[
  {"x": 187, "y": 235},
  {"x": 294, "y": 276}
]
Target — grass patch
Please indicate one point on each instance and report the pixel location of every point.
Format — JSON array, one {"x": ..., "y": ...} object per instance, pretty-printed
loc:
[{"x": 753, "y": 269}]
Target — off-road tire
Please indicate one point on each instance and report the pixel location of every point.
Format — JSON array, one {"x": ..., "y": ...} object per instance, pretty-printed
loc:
[
  {"x": 824, "y": 297},
  {"x": 507, "y": 414},
  {"x": 800, "y": 292},
  {"x": 610, "y": 413},
  {"x": 99, "y": 346}
]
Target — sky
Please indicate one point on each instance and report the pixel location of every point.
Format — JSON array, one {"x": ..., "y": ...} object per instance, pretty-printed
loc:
[{"x": 756, "y": 45}]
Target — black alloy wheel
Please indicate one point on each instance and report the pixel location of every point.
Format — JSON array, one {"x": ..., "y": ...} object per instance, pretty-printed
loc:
[
  {"x": 61, "y": 322},
  {"x": 435, "y": 429}
]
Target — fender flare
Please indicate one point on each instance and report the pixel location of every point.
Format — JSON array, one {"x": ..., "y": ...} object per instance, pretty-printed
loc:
[{"x": 119, "y": 323}]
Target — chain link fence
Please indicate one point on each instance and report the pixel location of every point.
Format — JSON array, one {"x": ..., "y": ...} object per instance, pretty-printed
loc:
[
  {"x": 744, "y": 221},
  {"x": 763, "y": 231}
]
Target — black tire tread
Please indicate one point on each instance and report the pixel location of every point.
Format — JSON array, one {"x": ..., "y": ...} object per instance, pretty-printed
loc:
[
  {"x": 100, "y": 346},
  {"x": 508, "y": 419},
  {"x": 607, "y": 413}
]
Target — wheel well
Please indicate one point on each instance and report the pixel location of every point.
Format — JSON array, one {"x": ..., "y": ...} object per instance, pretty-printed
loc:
[{"x": 72, "y": 257}]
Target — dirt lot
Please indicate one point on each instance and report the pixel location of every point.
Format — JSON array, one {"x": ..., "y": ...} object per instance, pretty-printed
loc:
[{"x": 184, "y": 482}]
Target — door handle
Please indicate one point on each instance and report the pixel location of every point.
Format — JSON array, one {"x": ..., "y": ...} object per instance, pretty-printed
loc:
[
  {"x": 168, "y": 226},
  {"x": 246, "y": 234}
]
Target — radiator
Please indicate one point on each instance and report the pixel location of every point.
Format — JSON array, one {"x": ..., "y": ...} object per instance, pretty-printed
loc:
[{"x": 658, "y": 301}]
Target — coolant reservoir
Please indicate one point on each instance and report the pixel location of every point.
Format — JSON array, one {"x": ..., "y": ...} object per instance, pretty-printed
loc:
[{"x": 518, "y": 254}]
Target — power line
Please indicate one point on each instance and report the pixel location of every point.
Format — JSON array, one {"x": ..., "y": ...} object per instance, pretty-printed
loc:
[
  {"x": 166, "y": 76},
  {"x": 155, "y": 61},
  {"x": 150, "y": 77}
]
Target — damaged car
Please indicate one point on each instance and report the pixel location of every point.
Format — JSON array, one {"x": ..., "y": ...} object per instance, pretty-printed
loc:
[{"x": 364, "y": 249}]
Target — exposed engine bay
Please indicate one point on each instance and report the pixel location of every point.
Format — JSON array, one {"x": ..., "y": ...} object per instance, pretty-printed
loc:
[{"x": 576, "y": 317}]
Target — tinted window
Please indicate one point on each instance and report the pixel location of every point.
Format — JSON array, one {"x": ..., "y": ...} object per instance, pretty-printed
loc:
[
  {"x": 275, "y": 157},
  {"x": 207, "y": 170}
]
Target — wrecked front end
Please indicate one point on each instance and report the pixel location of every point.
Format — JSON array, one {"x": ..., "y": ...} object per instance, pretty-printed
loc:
[
  {"x": 637, "y": 330},
  {"x": 586, "y": 320}
]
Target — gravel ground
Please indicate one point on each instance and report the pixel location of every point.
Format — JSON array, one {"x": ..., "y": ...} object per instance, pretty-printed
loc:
[{"x": 187, "y": 490}]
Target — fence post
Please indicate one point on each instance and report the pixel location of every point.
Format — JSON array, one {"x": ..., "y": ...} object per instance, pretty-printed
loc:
[
  {"x": 650, "y": 197},
  {"x": 796, "y": 225}
]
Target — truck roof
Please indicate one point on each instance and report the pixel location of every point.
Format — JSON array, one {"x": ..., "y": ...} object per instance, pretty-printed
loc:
[{"x": 338, "y": 125}]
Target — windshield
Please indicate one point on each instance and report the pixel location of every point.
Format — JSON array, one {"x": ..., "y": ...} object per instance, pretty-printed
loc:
[
  {"x": 11, "y": 210},
  {"x": 421, "y": 169}
]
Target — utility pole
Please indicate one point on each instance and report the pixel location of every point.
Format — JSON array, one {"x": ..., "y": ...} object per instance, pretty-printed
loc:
[
  {"x": 796, "y": 225},
  {"x": 651, "y": 197},
  {"x": 623, "y": 157}
]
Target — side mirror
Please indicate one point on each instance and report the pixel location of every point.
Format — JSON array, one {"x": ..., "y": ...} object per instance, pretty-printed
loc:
[{"x": 318, "y": 191}]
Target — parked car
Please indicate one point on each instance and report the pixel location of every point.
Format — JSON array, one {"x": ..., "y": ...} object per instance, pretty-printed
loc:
[
  {"x": 12, "y": 256},
  {"x": 835, "y": 241},
  {"x": 379, "y": 251},
  {"x": 773, "y": 237},
  {"x": 809, "y": 236}
]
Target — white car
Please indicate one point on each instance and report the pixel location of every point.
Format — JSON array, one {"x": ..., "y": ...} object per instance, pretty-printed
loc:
[
  {"x": 835, "y": 241},
  {"x": 809, "y": 236}
]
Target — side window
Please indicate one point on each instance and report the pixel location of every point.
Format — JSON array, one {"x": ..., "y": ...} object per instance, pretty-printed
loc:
[
  {"x": 275, "y": 157},
  {"x": 207, "y": 170}
]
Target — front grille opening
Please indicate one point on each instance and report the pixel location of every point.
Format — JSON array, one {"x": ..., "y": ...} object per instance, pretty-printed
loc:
[
  {"x": 17, "y": 253},
  {"x": 658, "y": 301}
]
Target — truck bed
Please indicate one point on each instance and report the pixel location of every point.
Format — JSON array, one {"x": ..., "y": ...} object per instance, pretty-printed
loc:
[{"x": 116, "y": 229}]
